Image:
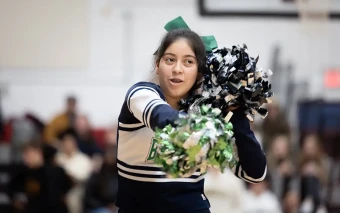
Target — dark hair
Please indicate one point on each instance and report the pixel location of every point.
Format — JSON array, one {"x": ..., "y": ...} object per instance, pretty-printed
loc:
[
  {"x": 32, "y": 145},
  {"x": 48, "y": 151},
  {"x": 68, "y": 132},
  {"x": 194, "y": 41},
  {"x": 71, "y": 98}
]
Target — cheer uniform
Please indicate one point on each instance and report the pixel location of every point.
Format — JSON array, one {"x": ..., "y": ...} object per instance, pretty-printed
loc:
[{"x": 143, "y": 186}]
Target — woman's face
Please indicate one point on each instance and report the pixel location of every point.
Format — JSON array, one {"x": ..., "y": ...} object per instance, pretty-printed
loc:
[
  {"x": 280, "y": 147},
  {"x": 177, "y": 70},
  {"x": 33, "y": 158},
  {"x": 310, "y": 146},
  {"x": 82, "y": 125},
  {"x": 69, "y": 145}
]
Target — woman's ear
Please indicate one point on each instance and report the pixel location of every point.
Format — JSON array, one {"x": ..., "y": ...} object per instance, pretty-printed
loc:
[{"x": 156, "y": 68}]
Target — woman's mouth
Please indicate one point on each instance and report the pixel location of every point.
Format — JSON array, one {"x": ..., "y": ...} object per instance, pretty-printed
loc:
[{"x": 176, "y": 80}]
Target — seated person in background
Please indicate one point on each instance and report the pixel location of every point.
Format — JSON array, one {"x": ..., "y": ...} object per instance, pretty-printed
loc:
[
  {"x": 225, "y": 191},
  {"x": 275, "y": 124},
  {"x": 77, "y": 165},
  {"x": 61, "y": 122},
  {"x": 2, "y": 125},
  {"x": 314, "y": 170},
  {"x": 101, "y": 189},
  {"x": 259, "y": 198},
  {"x": 43, "y": 185},
  {"x": 86, "y": 142},
  {"x": 281, "y": 167},
  {"x": 291, "y": 202}
]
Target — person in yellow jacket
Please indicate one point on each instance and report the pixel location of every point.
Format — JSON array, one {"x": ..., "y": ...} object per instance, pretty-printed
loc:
[{"x": 61, "y": 122}]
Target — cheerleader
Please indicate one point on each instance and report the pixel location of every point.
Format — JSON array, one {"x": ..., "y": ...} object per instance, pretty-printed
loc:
[{"x": 143, "y": 186}]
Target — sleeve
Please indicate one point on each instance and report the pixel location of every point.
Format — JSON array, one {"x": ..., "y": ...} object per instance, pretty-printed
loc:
[
  {"x": 53, "y": 128},
  {"x": 146, "y": 105},
  {"x": 252, "y": 166},
  {"x": 49, "y": 133}
]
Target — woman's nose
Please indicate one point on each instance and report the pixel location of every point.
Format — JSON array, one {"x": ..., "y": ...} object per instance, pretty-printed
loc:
[{"x": 178, "y": 68}]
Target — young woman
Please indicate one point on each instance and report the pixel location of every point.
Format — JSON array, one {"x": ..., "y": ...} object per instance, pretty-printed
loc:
[{"x": 143, "y": 187}]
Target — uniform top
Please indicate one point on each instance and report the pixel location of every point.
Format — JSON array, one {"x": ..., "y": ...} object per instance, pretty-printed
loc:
[{"x": 143, "y": 186}]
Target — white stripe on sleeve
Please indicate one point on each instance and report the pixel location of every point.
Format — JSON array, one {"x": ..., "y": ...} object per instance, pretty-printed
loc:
[{"x": 142, "y": 102}]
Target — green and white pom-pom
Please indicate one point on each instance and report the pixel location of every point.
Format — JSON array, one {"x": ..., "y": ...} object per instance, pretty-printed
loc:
[{"x": 198, "y": 141}]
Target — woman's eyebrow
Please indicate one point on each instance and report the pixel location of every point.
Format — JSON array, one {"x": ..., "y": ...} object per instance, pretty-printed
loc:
[
  {"x": 190, "y": 56},
  {"x": 169, "y": 54},
  {"x": 184, "y": 55}
]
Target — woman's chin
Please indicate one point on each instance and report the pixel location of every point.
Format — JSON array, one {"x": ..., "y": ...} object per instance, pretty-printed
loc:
[{"x": 178, "y": 95}]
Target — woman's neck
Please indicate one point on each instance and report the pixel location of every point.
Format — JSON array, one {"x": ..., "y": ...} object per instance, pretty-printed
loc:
[
  {"x": 70, "y": 154},
  {"x": 172, "y": 102}
]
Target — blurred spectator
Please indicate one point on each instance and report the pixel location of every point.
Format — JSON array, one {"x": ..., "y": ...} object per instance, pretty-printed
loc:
[
  {"x": 259, "y": 198},
  {"x": 110, "y": 140},
  {"x": 1, "y": 119},
  {"x": 23, "y": 130},
  {"x": 37, "y": 122},
  {"x": 101, "y": 189},
  {"x": 314, "y": 170},
  {"x": 275, "y": 124},
  {"x": 111, "y": 136},
  {"x": 85, "y": 140},
  {"x": 291, "y": 202},
  {"x": 77, "y": 165},
  {"x": 40, "y": 187},
  {"x": 49, "y": 153},
  {"x": 281, "y": 167},
  {"x": 224, "y": 191},
  {"x": 61, "y": 122},
  {"x": 333, "y": 195}
]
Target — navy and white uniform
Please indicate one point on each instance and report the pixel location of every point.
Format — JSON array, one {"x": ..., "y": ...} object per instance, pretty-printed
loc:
[{"x": 143, "y": 186}]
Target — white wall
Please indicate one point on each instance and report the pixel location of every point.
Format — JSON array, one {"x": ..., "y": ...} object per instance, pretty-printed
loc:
[
  {"x": 123, "y": 37},
  {"x": 38, "y": 34}
]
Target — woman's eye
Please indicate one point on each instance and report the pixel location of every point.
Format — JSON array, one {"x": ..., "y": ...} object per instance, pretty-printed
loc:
[
  {"x": 189, "y": 61},
  {"x": 170, "y": 60}
]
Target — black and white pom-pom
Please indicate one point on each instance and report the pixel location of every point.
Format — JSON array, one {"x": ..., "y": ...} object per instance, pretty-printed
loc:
[{"x": 233, "y": 79}]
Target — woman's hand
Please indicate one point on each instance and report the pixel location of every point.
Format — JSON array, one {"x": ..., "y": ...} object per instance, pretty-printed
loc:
[
  {"x": 231, "y": 108},
  {"x": 229, "y": 115}
]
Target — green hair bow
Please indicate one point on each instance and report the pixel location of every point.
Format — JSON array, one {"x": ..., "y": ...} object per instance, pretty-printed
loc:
[{"x": 178, "y": 23}]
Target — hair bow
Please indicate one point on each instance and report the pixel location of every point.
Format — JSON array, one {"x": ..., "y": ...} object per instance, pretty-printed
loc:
[{"x": 210, "y": 42}]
